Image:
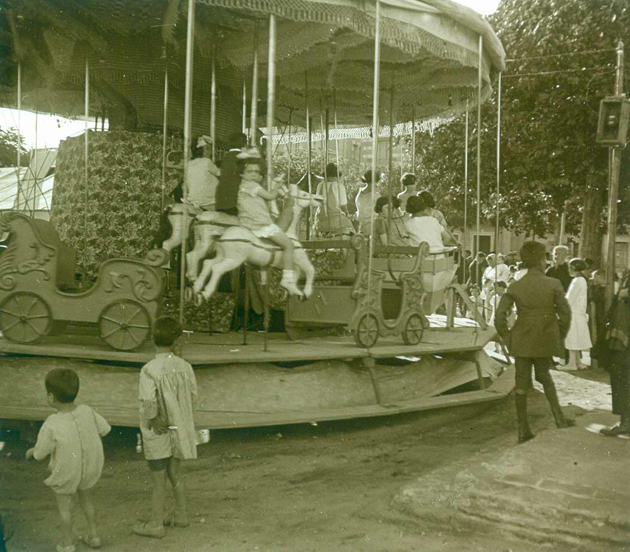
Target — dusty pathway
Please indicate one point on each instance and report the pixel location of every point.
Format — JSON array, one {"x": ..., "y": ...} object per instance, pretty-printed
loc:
[{"x": 294, "y": 488}]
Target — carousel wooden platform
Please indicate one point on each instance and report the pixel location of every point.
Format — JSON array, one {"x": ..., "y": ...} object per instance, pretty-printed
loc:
[{"x": 316, "y": 379}]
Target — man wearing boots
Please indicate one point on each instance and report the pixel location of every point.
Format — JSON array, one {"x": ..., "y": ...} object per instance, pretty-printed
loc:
[{"x": 543, "y": 319}]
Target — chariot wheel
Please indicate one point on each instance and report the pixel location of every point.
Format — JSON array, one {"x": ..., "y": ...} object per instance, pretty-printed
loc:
[
  {"x": 124, "y": 325},
  {"x": 414, "y": 328},
  {"x": 366, "y": 332},
  {"x": 25, "y": 317}
]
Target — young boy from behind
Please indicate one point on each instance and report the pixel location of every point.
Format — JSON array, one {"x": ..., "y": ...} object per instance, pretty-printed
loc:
[{"x": 542, "y": 323}]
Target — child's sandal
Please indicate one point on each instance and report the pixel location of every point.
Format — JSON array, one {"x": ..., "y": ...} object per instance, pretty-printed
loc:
[
  {"x": 146, "y": 530},
  {"x": 66, "y": 548}
]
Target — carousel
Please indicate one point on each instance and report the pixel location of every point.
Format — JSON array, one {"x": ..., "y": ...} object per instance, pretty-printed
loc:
[{"x": 362, "y": 337}]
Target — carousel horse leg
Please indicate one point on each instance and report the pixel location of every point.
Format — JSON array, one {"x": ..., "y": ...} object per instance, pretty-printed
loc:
[
  {"x": 177, "y": 222},
  {"x": 204, "y": 238},
  {"x": 264, "y": 279},
  {"x": 218, "y": 270},
  {"x": 206, "y": 271}
]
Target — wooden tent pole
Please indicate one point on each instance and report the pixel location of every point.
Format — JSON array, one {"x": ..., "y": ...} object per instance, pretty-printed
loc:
[
  {"x": 86, "y": 171},
  {"x": 213, "y": 103},
  {"x": 271, "y": 96},
  {"x": 254, "y": 110},
  {"x": 164, "y": 127},
  {"x": 190, "y": 42}
]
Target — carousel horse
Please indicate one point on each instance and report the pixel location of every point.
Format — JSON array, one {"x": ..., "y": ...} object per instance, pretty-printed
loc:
[{"x": 238, "y": 245}]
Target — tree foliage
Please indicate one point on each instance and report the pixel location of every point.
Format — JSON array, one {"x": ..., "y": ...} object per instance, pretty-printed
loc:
[
  {"x": 561, "y": 62},
  {"x": 10, "y": 141}
]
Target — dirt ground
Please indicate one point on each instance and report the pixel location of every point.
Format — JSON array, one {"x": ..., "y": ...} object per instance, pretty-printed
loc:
[{"x": 324, "y": 487}]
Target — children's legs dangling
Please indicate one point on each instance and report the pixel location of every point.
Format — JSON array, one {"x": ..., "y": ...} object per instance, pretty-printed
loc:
[
  {"x": 64, "y": 504},
  {"x": 288, "y": 281}
]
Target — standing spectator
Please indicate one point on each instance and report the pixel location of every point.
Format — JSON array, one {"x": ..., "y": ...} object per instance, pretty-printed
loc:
[
  {"x": 72, "y": 439},
  {"x": 167, "y": 393},
  {"x": 476, "y": 269},
  {"x": 497, "y": 270},
  {"x": 598, "y": 311},
  {"x": 364, "y": 203},
  {"x": 615, "y": 356},
  {"x": 578, "y": 339},
  {"x": 332, "y": 216},
  {"x": 560, "y": 268},
  {"x": 230, "y": 178},
  {"x": 542, "y": 324},
  {"x": 408, "y": 183},
  {"x": 463, "y": 270},
  {"x": 511, "y": 259}
]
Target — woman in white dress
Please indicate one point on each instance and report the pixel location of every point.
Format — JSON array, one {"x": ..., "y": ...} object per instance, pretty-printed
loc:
[{"x": 578, "y": 339}]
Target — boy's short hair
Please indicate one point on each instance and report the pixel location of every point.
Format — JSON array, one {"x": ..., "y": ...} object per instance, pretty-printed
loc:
[
  {"x": 408, "y": 179},
  {"x": 63, "y": 384},
  {"x": 166, "y": 331},
  {"x": 531, "y": 253},
  {"x": 237, "y": 140},
  {"x": 427, "y": 197},
  {"x": 384, "y": 200},
  {"x": 415, "y": 204},
  {"x": 367, "y": 176},
  {"x": 501, "y": 284},
  {"x": 577, "y": 264},
  {"x": 332, "y": 171}
]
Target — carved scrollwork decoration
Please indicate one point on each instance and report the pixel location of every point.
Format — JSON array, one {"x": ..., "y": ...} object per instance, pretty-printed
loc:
[{"x": 144, "y": 288}]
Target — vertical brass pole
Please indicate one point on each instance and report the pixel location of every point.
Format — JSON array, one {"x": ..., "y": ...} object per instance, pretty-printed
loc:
[
  {"x": 465, "y": 237},
  {"x": 213, "y": 102},
  {"x": 413, "y": 139},
  {"x": 390, "y": 161},
  {"x": 87, "y": 196},
  {"x": 190, "y": 43},
  {"x": 164, "y": 129},
  {"x": 309, "y": 155},
  {"x": 496, "y": 231},
  {"x": 479, "y": 83},
  {"x": 253, "y": 123},
  {"x": 335, "y": 123},
  {"x": 244, "y": 123},
  {"x": 271, "y": 96}
]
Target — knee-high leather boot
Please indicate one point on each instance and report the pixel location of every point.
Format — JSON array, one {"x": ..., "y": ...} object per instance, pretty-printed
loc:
[
  {"x": 524, "y": 432},
  {"x": 552, "y": 398}
]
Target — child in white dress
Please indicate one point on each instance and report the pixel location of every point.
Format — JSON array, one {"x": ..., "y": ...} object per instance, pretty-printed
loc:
[
  {"x": 255, "y": 215},
  {"x": 579, "y": 338},
  {"x": 72, "y": 439},
  {"x": 167, "y": 393}
]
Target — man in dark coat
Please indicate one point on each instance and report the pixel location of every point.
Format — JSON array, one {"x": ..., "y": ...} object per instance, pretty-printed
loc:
[
  {"x": 543, "y": 320},
  {"x": 560, "y": 268},
  {"x": 230, "y": 179},
  {"x": 616, "y": 359}
]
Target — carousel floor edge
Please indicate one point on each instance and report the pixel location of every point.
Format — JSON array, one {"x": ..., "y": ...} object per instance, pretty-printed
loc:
[{"x": 203, "y": 349}]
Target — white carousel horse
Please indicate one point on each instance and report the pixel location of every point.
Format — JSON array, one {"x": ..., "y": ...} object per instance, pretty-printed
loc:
[{"x": 238, "y": 245}]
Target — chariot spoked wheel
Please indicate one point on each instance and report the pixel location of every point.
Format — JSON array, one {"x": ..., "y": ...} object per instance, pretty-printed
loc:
[
  {"x": 124, "y": 325},
  {"x": 25, "y": 317},
  {"x": 366, "y": 333},
  {"x": 414, "y": 328}
]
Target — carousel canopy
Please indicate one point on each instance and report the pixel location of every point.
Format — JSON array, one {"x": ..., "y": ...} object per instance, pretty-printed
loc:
[{"x": 429, "y": 57}]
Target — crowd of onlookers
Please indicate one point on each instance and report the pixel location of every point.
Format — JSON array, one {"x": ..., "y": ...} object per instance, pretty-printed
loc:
[{"x": 487, "y": 276}]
